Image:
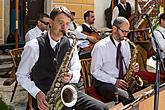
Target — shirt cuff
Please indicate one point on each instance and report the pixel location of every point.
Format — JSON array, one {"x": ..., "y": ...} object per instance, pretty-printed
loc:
[
  {"x": 75, "y": 78},
  {"x": 114, "y": 81},
  {"x": 34, "y": 91}
]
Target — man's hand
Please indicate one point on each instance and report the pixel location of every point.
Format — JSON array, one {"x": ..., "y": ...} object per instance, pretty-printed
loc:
[
  {"x": 41, "y": 101},
  {"x": 121, "y": 84},
  {"x": 66, "y": 76},
  {"x": 136, "y": 67}
]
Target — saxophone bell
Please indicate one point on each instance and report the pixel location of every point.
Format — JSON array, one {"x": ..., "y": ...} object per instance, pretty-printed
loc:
[
  {"x": 69, "y": 95},
  {"x": 139, "y": 81}
]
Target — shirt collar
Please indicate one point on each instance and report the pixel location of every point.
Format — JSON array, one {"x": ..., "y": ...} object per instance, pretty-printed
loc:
[
  {"x": 161, "y": 28},
  {"x": 87, "y": 25},
  {"x": 52, "y": 42},
  {"x": 38, "y": 29},
  {"x": 115, "y": 41}
]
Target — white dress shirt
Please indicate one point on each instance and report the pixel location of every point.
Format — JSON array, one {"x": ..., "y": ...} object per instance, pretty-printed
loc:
[
  {"x": 30, "y": 56},
  {"x": 33, "y": 33},
  {"x": 115, "y": 12},
  {"x": 160, "y": 40},
  {"x": 103, "y": 64},
  {"x": 83, "y": 42},
  {"x": 71, "y": 26}
]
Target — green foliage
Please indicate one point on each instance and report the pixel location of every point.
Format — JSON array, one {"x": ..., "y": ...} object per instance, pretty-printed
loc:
[{"x": 3, "y": 106}]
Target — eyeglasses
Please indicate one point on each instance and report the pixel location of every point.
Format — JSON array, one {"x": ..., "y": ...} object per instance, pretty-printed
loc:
[
  {"x": 124, "y": 31},
  {"x": 46, "y": 23}
]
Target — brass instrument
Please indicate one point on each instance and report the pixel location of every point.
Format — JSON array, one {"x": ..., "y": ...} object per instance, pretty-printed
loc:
[
  {"x": 133, "y": 80},
  {"x": 59, "y": 92}
]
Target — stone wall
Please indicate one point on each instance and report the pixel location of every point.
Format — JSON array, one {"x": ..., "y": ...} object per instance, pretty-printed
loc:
[
  {"x": 1, "y": 22},
  {"x": 78, "y": 6}
]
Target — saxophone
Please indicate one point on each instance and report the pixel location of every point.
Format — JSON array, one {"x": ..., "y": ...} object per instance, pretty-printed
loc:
[
  {"x": 60, "y": 93},
  {"x": 134, "y": 81}
]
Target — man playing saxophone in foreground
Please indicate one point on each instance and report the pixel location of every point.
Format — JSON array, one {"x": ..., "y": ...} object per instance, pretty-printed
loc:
[
  {"x": 110, "y": 59},
  {"x": 41, "y": 60}
]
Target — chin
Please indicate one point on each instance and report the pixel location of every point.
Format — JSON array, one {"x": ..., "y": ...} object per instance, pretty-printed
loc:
[{"x": 121, "y": 38}]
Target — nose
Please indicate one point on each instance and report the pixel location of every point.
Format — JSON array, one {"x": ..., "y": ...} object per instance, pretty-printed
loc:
[
  {"x": 64, "y": 26},
  {"x": 125, "y": 33}
]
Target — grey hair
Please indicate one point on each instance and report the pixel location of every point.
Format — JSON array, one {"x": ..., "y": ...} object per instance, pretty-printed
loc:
[{"x": 119, "y": 20}]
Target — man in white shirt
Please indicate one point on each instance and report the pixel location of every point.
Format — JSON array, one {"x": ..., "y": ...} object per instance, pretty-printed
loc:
[
  {"x": 125, "y": 9},
  {"x": 84, "y": 39},
  {"x": 104, "y": 65},
  {"x": 160, "y": 35},
  {"x": 40, "y": 29},
  {"x": 91, "y": 32},
  {"x": 41, "y": 61},
  {"x": 73, "y": 25}
]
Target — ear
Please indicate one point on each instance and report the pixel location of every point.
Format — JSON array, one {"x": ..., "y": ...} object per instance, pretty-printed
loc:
[
  {"x": 114, "y": 28},
  {"x": 161, "y": 20},
  {"x": 38, "y": 22},
  {"x": 50, "y": 22}
]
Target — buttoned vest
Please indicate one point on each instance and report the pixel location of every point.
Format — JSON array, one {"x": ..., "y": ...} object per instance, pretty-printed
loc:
[
  {"x": 125, "y": 13},
  {"x": 46, "y": 68}
]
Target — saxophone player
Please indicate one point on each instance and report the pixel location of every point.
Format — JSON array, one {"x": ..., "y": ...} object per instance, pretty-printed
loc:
[
  {"x": 42, "y": 58},
  {"x": 110, "y": 59}
]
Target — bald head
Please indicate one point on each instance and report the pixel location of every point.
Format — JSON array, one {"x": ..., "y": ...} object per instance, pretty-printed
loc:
[
  {"x": 120, "y": 28},
  {"x": 120, "y": 20}
]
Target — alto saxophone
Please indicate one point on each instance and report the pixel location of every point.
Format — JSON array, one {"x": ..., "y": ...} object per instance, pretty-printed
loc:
[
  {"x": 60, "y": 93},
  {"x": 133, "y": 80}
]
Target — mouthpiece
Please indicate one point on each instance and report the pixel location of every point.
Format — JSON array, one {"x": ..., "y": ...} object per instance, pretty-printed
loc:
[
  {"x": 64, "y": 32},
  {"x": 71, "y": 35}
]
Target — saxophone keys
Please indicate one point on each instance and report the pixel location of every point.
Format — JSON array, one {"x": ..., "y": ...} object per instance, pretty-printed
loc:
[
  {"x": 55, "y": 90},
  {"x": 59, "y": 80},
  {"x": 53, "y": 95},
  {"x": 58, "y": 85},
  {"x": 51, "y": 100}
]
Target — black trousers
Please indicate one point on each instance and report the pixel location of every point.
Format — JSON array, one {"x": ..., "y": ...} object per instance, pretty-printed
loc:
[
  {"x": 107, "y": 90},
  {"x": 84, "y": 102}
]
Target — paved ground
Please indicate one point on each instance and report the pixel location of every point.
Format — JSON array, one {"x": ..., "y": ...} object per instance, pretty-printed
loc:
[{"x": 20, "y": 98}]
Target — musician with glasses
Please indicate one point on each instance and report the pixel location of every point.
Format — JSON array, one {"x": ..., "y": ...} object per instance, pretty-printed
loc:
[
  {"x": 125, "y": 8},
  {"x": 44, "y": 56},
  {"x": 106, "y": 67},
  {"x": 40, "y": 29}
]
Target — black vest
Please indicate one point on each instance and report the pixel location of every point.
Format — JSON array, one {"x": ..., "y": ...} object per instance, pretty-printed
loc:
[
  {"x": 125, "y": 13},
  {"x": 86, "y": 29},
  {"x": 45, "y": 69}
]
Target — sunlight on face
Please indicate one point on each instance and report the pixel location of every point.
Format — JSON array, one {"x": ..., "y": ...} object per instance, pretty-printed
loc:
[
  {"x": 122, "y": 31},
  {"x": 90, "y": 20},
  {"x": 60, "y": 24}
]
